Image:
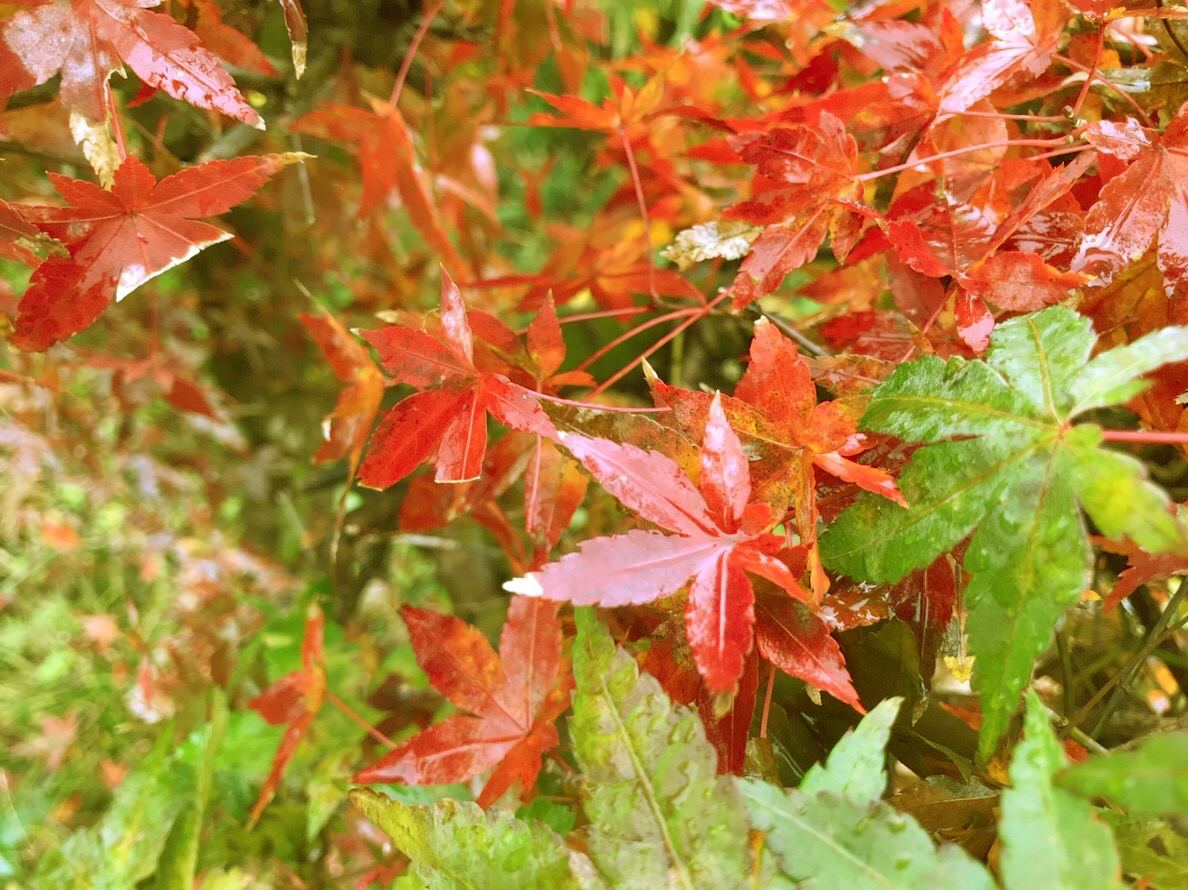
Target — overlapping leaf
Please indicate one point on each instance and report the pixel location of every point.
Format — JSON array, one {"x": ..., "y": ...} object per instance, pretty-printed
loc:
[
  {"x": 86, "y": 40},
  {"x": 1049, "y": 837},
  {"x": 719, "y": 535},
  {"x": 387, "y": 162},
  {"x": 1023, "y": 37},
  {"x": 119, "y": 238},
  {"x": 659, "y": 817},
  {"x": 449, "y": 414},
  {"x": 1008, "y": 465},
  {"x": 776, "y": 414},
  {"x": 803, "y": 169},
  {"x": 455, "y": 844},
  {"x": 834, "y": 831},
  {"x": 1146, "y": 200},
  {"x": 346, "y": 427},
  {"x": 515, "y": 697}
]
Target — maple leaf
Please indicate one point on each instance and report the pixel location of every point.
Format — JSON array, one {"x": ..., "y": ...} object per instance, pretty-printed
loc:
[
  {"x": 799, "y": 644},
  {"x": 1141, "y": 568},
  {"x": 224, "y": 41},
  {"x": 803, "y": 170},
  {"x": 775, "y": 412},
  {"x": 1014, "y": 477},
  {"x": 452, "y": 415},
  {"x": 387, "y": 162},
  {"x": 87, "y": 39},
  {"x": 515, "y": 695},
  {"x": 1024, "y": 34},
  {"x": 626, "y": 115},
  {"x": 294, "y": 699},
  {"x": 719, "y": 536},
  {"x": 1148, "y": 198},
  {"x": 346, "y": 428},
  {"x": 119, "y": 238}
]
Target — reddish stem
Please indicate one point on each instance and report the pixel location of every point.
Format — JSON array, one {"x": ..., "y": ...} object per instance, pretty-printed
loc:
[
  {"x": 604, "y": 313},
  {"x": 700, "y": 313},
  {"x": 1093, "y": 71},
  {"x": 117, "y": 129},
  {"x": 422, "y": 30},
  {"x": 638, "y": 329},
  {"x": 1077, "y": 66},
  {"x": 355, "y": 718},
  {"x": 969, "y": 149},
  {"x": 1144, "y": 436},
  {"x": 767, "y": 703},
  {"x": 643, "y": 213},
  {"x": 1035, "y": 118}
]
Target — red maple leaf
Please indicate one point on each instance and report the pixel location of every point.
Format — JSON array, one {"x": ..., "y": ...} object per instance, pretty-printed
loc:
[
  {"x": 1023, "y": 36},
  {"x": 450, "y": 412},
  {"x": 1141, "y": 568},
  {"x": 803, "y": 170},
  {"x": 515, "y": 695},
  {"x": 719, "y": 536},
  {"x": 347, "y": 426},
  {"x": 119, "y": 238},
  {"x": 387, "y": 162},
  {"x": 775, "y": 411},
  {"x": 13, "y": 231},
  {"x": 88, "y": 39},
  {"x": 799, "y": 644},
  {"x": 232, "y": 46},
  {"x": 294, "y": 699},
  {"x": 1148, "y": 198}
]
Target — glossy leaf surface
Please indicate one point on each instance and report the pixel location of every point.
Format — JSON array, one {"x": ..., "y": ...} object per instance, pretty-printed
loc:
[{"x": 1014, "y": 479}]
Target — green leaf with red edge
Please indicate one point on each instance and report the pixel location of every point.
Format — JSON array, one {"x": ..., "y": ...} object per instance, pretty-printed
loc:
[
  {"x": 88, "y": 39},
  {"x": 515, "y": 695},
  {"x": 119, "y": 238},
  {"x": 719, "y": 536},
  {"x": 451, "y": 418},
  {"x": 294, "y": 700},
  {"x": 799, "y": 644}
]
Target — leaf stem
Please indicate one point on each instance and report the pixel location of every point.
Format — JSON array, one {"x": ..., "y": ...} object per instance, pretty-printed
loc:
[
  {"x": 1096, "y": 75},
  {"x": 767, "y": 702},
  {"x": 638, "y": 329},
  {"x": 1146, "y": 436},
  {"x": 1076, "y": 109},
  {"x": 697, "y": 314},
  {"x": 969, "y": 149},
  {"x": 406, "y": 63},
  {"x": 355, "y": 718},
  {"x": 597, "y": 407},
  {"x": 643, "y": 213}
]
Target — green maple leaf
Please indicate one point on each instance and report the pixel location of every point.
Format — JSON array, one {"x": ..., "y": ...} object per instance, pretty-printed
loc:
[{"x": 1009, "y": 466}]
